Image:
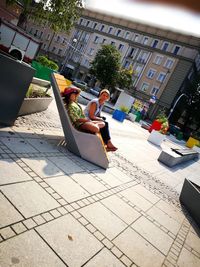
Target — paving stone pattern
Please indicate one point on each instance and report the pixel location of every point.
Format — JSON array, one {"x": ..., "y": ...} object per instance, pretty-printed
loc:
[{"x": 59, "y": 210}]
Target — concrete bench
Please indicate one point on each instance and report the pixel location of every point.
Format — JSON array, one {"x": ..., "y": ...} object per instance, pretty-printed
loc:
[
  {"x": 190, "y": 198},
  {"x": 172, "y": 157},
  {"x": 88, "y": 146}
]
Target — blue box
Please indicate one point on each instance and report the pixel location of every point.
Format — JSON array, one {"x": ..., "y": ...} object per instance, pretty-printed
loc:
[{"x": 119, "y": 115}]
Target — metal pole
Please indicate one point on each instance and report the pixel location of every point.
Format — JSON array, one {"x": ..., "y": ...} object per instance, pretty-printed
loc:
[
  {"x": 172, "y": 109},
  {"x": 68, "y": 54}
]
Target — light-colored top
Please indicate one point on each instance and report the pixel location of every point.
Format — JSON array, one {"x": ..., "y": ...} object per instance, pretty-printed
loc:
[{"x": 98, "y": 108}]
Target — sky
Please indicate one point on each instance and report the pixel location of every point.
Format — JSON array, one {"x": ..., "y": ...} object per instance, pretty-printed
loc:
[{"x": 169, "y": 17}]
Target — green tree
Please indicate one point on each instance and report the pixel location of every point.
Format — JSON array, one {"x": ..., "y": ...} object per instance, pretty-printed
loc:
[
  {"x": 106, "y": 65},
  {"x": 124, "y": 79},
  {"x": 60, "y": 14}
]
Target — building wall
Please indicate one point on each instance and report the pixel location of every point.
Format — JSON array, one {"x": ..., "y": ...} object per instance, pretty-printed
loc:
[
  {"x": 140, "y": 46},
  {"x": 10, "y": 13}
]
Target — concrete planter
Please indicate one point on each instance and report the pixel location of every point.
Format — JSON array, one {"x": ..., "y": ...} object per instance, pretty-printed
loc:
[
  {"x": 190, "y": 198},
  {"x": 156, "y": 138},
  {"x": 33, "y": 105}
]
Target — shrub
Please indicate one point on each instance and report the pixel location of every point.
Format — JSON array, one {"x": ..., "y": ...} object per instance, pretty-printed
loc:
[
  {"x": 44, "y": 61},
  {"x": 34, "y": 92},
  {"x": 124, "y": 109},
  {"x": 53, "y": 65}
]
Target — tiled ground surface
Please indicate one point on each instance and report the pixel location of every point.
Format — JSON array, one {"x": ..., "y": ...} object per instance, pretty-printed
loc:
[{"x": 59, "y": 210}]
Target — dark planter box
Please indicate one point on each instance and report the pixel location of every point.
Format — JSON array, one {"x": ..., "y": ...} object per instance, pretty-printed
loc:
[
  {"x": 190, "y": 198},
  {"x": 15, "y": 78},
  {"x": 119, "y": 115}
]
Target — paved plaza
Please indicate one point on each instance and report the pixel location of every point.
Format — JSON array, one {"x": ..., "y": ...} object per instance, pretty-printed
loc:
[{"x": 58, "y": 210}]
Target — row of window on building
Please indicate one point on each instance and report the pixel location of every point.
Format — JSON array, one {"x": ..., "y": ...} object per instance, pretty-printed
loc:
[{"x": 132, "y": 36}]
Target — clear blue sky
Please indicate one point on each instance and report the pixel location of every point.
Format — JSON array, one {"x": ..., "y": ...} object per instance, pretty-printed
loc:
[{"x": 170, "y": 17}]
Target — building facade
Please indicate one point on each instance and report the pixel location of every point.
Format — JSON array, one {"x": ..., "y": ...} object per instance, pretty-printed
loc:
[{"x": 161, "y": 59}]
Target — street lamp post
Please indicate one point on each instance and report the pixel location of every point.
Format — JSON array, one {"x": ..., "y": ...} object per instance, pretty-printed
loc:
[
  {"x": 74, "y": 41},
  {"x": 172, "y": 109}
]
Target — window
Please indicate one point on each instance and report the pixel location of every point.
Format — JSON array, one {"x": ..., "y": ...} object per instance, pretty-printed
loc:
[
  {"x": 58, "y": 38},
  {"x": 112, "y": 43},
  {"x": 110, "y": 29},
  {"x": 121, "y": 47},
  {"x": 127, "y": 34},
  {"x": 145, "y": 40},
  {"x": 81, "y": 21},
  {"x": 138, "y": 70},
  {"x": 158, "y": 59},
  {"x": 36, "y": 32},
  {"x": 155, "y": 43},
  {"x": 154, "y": 91},
  {"x": 91, "y": 52},
  {"x": 64, "y": 40},
  {"x": 161, "y": 77},
  {"x": 144, "y": 87},
  {"x": 95, "y": 25},
  {"x": 86, "y": 63},
  {"x": 131, "y": 52},
  {"x": 44, "y": 46},
  {"x": 87, "y": 24},
  {"x": 169, "y": 63},
  {"x": 103, "y": 41},
  {"x": 176, "y": 50},
  {"x": 126, "y": 64},
  {"x": 118, "y": 32},
  {"x": 151, "y": 73},
  {"x": 48, "y": 37},
  {"x": 54, "y": 49},
  {"x": 85, "y": 37},
  {"x": 59, "y": 51},
  {"x": 96, "y": 39},
  {"x": 143, "y": 57},
  {"x": 76, "y": 58},
  {"x": 102, "y": 27},
  {"x": 41, "y": 34},
  {"x": 136, "y": 38},
  {"x": 165, "y": 46},
  {"x": 80, "y": 47}
]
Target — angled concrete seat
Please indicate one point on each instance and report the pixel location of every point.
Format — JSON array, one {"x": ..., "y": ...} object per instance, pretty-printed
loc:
[{"x": 88, "y": 146}]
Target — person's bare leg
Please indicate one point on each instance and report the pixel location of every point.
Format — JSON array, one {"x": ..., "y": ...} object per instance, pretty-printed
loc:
[
  {"x": 90, "y": 126},
  {"x": 100, "y": 124}
]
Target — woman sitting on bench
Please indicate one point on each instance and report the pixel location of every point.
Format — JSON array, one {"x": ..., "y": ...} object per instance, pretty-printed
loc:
[
  {"x": 93, "y": 112},
  {"x": 77, "y": 117}
]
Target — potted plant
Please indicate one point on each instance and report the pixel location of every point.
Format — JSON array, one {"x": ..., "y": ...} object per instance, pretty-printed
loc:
[
  {"x": 161, "y": 121},
  {"x": 120, "y": 114},
  {"x": 157, "y": 136},
  {"x": 37, "y": 98}
]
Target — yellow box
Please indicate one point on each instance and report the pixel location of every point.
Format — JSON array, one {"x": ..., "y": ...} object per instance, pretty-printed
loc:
[{"x": 192, "y": 142}]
